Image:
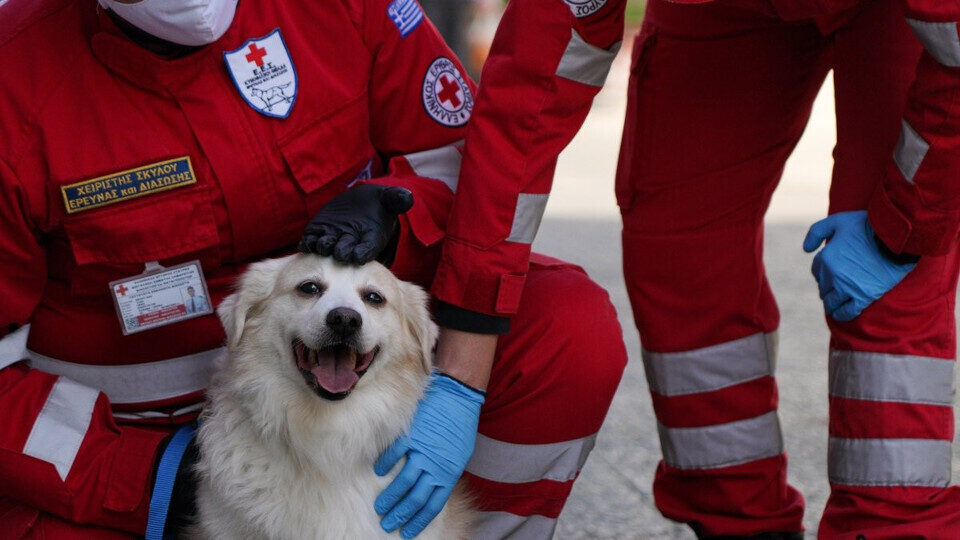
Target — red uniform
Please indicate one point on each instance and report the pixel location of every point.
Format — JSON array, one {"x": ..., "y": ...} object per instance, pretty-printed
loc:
[
  {"x": 719, "y": 95},
  {"x": 374, "y": 93}
]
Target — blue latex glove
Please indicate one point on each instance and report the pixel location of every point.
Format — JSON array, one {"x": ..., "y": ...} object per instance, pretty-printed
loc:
[
  {"x": 854, "y": 269},
  {"x": 438, "y": 447}
]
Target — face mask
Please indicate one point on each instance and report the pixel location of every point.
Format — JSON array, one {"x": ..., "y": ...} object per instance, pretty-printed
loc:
[{"x": 185, "y": 22}]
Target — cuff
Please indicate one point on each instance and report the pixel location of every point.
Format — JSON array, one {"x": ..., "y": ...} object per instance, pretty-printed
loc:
[
  {"x": 457, "y": 318},
  {"x": 488, "y": 281},
  {"x": 933, "y": 235}
]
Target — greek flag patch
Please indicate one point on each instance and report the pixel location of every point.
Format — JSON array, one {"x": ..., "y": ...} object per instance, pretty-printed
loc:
[{"x": 406, "y": 14}]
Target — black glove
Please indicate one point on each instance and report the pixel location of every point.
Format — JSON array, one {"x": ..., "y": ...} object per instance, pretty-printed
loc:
[{"x": 358, "y": 225}]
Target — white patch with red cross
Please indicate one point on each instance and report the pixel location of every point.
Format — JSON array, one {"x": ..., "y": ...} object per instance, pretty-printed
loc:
[
  {"x": 446, "y": 94},
  {"x": 263, "y": 73}
]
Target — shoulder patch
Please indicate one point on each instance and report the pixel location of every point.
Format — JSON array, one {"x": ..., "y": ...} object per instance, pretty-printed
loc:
[
  {"x": 585, "y": 8},
  {"x": 406, "y": 14},
  {"x": 446, "y": 94},
  {"x": 263, "y": 73}
]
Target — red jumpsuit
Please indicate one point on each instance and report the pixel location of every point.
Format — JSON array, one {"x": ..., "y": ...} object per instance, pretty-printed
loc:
[
  {"x": 83, "y": 417},
  {"x": 719, "y": 95}
]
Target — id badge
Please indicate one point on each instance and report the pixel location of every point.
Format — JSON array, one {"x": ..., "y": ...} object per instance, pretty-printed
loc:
[{"x": 160, "y": 296}]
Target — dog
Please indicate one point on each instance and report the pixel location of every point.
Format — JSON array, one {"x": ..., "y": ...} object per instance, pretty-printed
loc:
[{"x": 325, "y": 364}]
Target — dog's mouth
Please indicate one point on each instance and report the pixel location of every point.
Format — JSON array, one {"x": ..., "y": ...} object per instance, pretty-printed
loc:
[{"x": 332, "y": 371}]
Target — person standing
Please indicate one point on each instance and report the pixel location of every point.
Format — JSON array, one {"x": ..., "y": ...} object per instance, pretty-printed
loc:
[{"x": 719, "y": 95}]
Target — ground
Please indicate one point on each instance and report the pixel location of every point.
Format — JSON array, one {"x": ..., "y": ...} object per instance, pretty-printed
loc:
[{"x": 612, "y": 498}]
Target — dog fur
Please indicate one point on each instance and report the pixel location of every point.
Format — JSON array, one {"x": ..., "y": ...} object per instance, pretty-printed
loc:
[{"x": 277, "y": 459}]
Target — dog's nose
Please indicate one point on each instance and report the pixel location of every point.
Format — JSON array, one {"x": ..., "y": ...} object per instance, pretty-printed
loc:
[{"x": 344, "y": 320}]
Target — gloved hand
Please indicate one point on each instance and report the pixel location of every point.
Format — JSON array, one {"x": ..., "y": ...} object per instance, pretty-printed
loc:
[
  {"x": 358, "y": 225},
  {"x": 855, "y": 268},
  {"x": 438, "y": 447}
]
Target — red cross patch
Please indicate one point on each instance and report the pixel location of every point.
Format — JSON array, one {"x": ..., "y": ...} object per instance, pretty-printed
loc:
[{"x": 446, "y": 93}]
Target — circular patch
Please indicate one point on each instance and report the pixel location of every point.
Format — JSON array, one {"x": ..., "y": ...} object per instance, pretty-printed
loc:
[
  {"x": 446, "y": 94},
  {"x": 584, "y": 8}
]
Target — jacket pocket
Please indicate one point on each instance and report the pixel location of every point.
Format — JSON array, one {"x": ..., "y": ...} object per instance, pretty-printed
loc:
[
  {"x": 335, "y": 146},
  {"x": 116, "y": 242},
  {"x": 643, "y": 47}
]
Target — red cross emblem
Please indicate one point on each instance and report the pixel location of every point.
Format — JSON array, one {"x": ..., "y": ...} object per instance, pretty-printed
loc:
[
  {"x": 256, "y": 55},
  {"x": 121, "y": 290},
  {"x": 449, "y": 92}
]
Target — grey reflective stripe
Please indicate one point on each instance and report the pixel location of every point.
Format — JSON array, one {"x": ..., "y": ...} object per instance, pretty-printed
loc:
[
  {"x": 143, "y": 415},
  {"x": 13, "y": 346},
  {"x": 889, "y": 462},
  {"x": 497, "y": 525},
  {"x": 891, "y": 377},
  {"x": 582, "y": 62},
  {"x": 62, "y": 424},
  {"x": 527, "y": 217},
  {"x": 940, "y": 39},
  {"x": 722, "y": 445},
  {"x": 910, "y": 151},
  {"x": 519, "y": 463},
  {"x": 710, "y": 368},
  {"x": 440, "y": 163},
  {"x": 138, "y": 383}
]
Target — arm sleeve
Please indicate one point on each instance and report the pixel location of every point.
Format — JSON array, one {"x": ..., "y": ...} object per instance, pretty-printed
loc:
[
  {"x": 916, "y": 210},
  {"x": 60, "y": 450},
  {"x": 420, "y": 101},
  {"x": 547, "y": 62}
]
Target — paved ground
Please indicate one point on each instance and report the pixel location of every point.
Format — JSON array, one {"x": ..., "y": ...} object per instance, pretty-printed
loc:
[{"x": 613, "y": 497}]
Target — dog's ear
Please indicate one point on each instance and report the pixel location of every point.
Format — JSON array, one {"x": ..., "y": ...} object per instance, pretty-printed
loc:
[
  {"x": 255, "y": 286},
  {"x": 416, "y": 313}
]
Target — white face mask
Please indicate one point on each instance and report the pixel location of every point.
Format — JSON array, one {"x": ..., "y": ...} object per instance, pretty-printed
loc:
[{"x": 185, "y": 22}]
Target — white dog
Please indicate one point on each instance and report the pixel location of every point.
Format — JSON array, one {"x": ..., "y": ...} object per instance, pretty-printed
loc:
[{"x": 326, "y": 364}]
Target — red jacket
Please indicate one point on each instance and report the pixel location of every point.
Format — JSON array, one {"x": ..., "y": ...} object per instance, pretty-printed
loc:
[
  {"x": 529, "y": 109},
  {"x": 376, "y": 93}
]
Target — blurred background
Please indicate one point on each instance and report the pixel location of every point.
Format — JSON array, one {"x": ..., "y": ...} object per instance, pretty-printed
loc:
[{"x": 612, "y": 498}]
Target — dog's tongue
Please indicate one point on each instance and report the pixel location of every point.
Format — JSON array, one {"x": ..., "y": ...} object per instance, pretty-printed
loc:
[{"x": 335, "y": 369}]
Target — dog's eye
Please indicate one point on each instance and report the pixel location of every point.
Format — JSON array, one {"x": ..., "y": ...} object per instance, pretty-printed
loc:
[
  {"x": 309, "y": 288},
  {"x": 373, "y": 298}
]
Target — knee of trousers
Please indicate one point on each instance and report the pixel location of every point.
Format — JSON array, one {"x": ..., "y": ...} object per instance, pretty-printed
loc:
[{"x": 558, "y": 368}]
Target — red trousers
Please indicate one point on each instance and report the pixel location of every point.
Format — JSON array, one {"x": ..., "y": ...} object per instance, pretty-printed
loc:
[{"x": 719, "y": 95}]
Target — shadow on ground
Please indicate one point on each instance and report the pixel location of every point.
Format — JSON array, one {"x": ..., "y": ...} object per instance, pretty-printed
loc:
[{"x": 612, "y": 498}]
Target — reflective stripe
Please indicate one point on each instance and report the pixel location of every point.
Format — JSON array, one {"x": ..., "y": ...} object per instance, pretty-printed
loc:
[
  {"x": 13, "y": 346},
  {"x": 891, "y": 377},
  {"x": 62, "y": 424},
  {"x": 722, "y": 445},
  {"x": 889, "y": 462},
  {"x": 910, "y": 151},
  {"x": 439, "y": 163},
  {"x": 940, "y": 39},
  {"x": 711, "y": 368},
  {"x": 519, "y": 463},
  {"x": 138, "y": 383},
  {"x": 497, "y": 525},
  {"x": 582, "y": 62},
  {"x": 527, "y": 217},
  {"x": 196, "y": 407}
]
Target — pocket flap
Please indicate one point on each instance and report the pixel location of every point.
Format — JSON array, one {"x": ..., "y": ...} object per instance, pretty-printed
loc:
[
  {"x": 148, "y": 230},
  {"x": 329, "y": 146}
]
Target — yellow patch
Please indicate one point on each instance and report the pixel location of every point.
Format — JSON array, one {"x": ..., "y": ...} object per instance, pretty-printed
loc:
[{"x": 129, "y": 184}]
